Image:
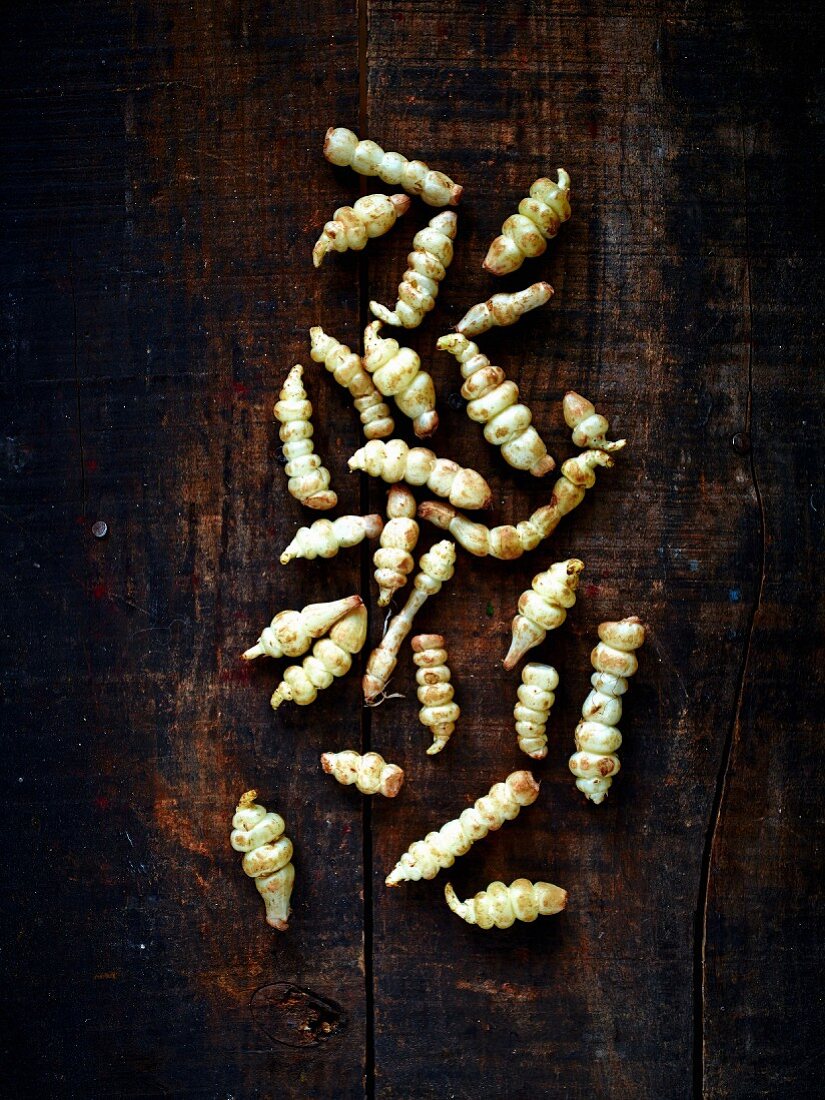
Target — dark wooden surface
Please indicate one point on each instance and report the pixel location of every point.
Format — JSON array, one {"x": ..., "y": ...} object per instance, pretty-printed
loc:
[{"x": 162, "y": 189}]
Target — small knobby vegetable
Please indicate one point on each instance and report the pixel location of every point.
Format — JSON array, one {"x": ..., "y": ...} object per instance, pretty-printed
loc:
[
  {"x": 397, "y": 373},
  {"x": 526, "y": 233},
  {"x": 494, "y": 402},
  {"x": 268, "y": 853},
  {"x": 308, "y": 479},
  {"x": 435, "y": 567},
  {"x": 589, "y": 427},
  {"x": 503, "y": 309},
  {"x": 543, "y": 607},
  {"x": 291, "y": 632},
  {"x": 342, "y": 147},
  {"x": 393, "y": 559},
  {"x": 325, "y": 537},
  {"x": 500, "y": 906},
  {"x": 394, "y": 460},
  {"x": 352, "y": 226},
  {"x": 348, "y": 371},
  {"x": 425, "y": 858},
  {"x": 370, "y": 773},
  {"x": 535, "y": 698},
  {"x": 435, "y": 692},
  {"x": 597, "y": 735},
  {"x": 427, "y": 265},
  {"x": 330, "y": 657}
]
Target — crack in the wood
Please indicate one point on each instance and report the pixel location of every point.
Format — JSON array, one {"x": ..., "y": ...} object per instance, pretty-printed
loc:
[
  {"x": 76, "y": 366},
  {"x": 700, "y": 936}
]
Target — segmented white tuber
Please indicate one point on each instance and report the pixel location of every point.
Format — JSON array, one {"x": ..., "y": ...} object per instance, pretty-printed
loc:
[
  {"x": 526, "y": 234},
  {"x": 543, "y": 607},
  {"x": 352, "y": 226},
  {"x": 397, "y": 373},
  {"x": 291, "y": 632},
  {"x": 494, "y": 402},
  {"x": 426, "y": 266},
  {"x": 268, "y": 853},
  {"x": 393, "y": 559},
  {"x": 330, "y": 657},
  {"x": 588, "y": 426},
  {"x": 325, "y": 537},
  {"x": 535, "y": 698},
  {"x": 508, "y": 542},
  {"x": 348, "y": 371},
  {"x": 435, "y": 692},
  {"x": 503, "y": 309},
  {"x": 597, "y": 735},
  {"x": 370, "y": 773},
  {"x": 308, "y": 479},
  {"x": 394, "y": 461},
  {"x": 425, "y": 858},
  {"x": 435, "y": 567},
  {"x": 342, "y": 147},
  {"x": 500, "y": 906}
]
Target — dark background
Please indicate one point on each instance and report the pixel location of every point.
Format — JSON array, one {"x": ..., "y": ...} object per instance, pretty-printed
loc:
[{"x": 162, "y": 187}]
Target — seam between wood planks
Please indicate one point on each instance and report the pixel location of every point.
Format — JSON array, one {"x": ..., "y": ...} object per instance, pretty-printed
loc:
[{"x": 700, "y": 932}]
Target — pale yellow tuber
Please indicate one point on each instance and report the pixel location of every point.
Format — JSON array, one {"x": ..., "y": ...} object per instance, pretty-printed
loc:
[
  {"x": 597, "y": 735},
  {"x": 535, "y": 698},
  {"x": 325, "y": 537},
  {"x": 393, "y": 559},
  {"x": 588, "y": 426},
  {"x": 508, "y": 542},
  {"x": 503, "y": 309},
  {"x": 331, "y": 657},
  {"x": 543, "y": 607},
  {"x": 435, "y": 692},
  {"x": 370, "y": 773},
  {"x": 268, "y": 853},
  {"x": 291, "y": 632},
  {"x": 348, "y": 371},
  {"x": 427, "y": 265},
  {"x": 352, "y": 226},
  {"x": 342, "y": 147},
  {"x": 425, "y": 858},
  {"x": 526, "y": 234},
  {"x": 500, "y": 906},
  {"x": 397, "y": 373},
  {"x": 308, "y": 479},
  {"x": 494, "y": 402},
  {"x": 394, "y": 460},
  {"x": 435, "y": 567}
]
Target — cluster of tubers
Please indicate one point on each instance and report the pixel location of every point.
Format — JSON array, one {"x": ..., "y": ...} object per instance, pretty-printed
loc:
[{"x": 337, "y": 630}]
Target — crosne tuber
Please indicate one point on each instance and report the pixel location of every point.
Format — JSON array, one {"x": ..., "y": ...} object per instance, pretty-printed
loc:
[
  {"x": 352, "y": 226},
  {"x": 494, "y": 402},
  {"x": 425, "y": 858},
  {"x": 268, "y": 853},
  {"x": 370, "y": 773},
  {"x": 291, "y": 632},
  {"x": 526, "y": 234},
  {"x": 535, "y": 698},
  {"x": 435, "y": 567},
  {"x": 543, "y": 607},
  {"x": 588, "y": 426},
  {"x": 394, "y": 461},
  {"x": 327, "y": 536},
  {"x": 308, "y": 479},
  {"x": 397, "y": 373},
  {"x": 500, "y": 906},
  {"x": 426, "y": 266},
  {"x": 508, "y": 542},
  {"x": 503, "y": 309},
  {"x": 348, "y": 371},
  {"x": 393, "y": 559},
  {"x": 435, "y": 692},
  {"x": 342, "y": 147},
  {"x": 331, "y": 657},
  {"x": 597, "y": 735}
]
